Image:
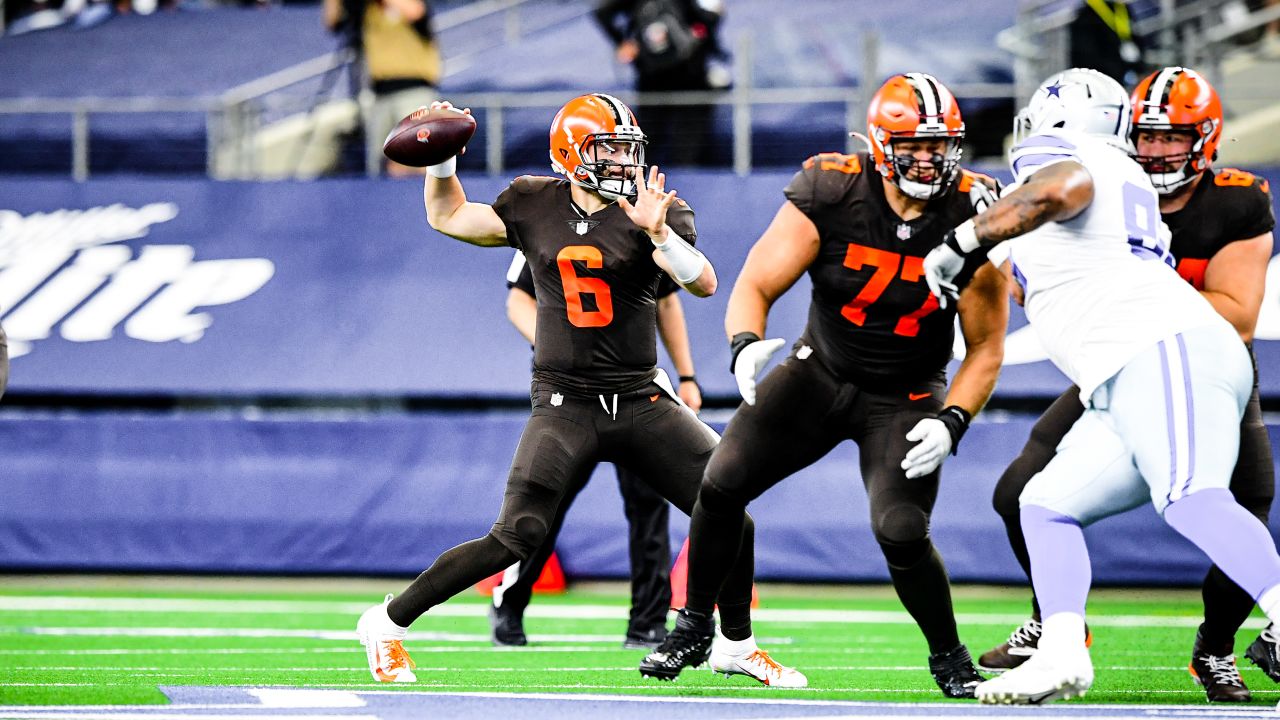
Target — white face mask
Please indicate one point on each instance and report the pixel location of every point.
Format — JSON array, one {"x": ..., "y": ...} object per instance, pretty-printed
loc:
[
  {"x": 614, "y": 163},
  {"x": 944, "y": 167}
]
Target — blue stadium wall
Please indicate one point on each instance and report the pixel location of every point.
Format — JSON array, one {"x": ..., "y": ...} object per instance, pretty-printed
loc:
[{"x": 240, "y": 292}]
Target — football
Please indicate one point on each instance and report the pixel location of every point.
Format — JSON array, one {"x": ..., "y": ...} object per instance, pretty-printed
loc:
[{"x": 429, "y": 137}]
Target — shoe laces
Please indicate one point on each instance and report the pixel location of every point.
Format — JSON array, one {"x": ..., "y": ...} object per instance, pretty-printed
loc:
[
  {"x": 1268, "y": 635},
  {"x": 397, "y": 656},
  {"x": 1223, "y": 669},
  {"x": 1026, "y": 635},
  {"x": 767, "y": 665}
]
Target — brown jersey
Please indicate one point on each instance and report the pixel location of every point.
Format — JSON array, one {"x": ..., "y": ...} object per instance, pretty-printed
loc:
[
  {"x": 595, "y": 281},
  {"x": 872, "y": 319},
  {"x": 1226, "y": 206}
]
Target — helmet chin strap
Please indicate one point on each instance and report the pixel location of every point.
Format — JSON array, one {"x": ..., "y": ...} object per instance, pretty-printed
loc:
[
  {"x": 917, "y": 190},
  {"x": 1172, "y": 182},
  {"x": 625, "y": 188}
]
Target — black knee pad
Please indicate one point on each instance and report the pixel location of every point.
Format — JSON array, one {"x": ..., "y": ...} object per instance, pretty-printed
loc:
[
  {"x": 903, "y": 535},
  {"x": 718, "y": 502},
  {"x": 531, "y": 531}
]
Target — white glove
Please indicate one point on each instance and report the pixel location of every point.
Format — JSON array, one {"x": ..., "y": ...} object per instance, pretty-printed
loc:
[
  {"x": 941, "y": 266},
  {"x": 750, "y": 362},
  {"x": 934, "y": 442},
  {"x": 981, "y": 196}
]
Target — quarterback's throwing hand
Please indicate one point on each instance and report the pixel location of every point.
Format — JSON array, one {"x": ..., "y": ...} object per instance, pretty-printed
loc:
[
  {"x": 751, "y": 360},
  {"x": 649, "y": 212},
  {"x": 933, "y": 442}
]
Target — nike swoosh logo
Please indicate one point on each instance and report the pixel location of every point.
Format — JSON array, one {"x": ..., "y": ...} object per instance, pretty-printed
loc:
[{"x": 918, "y": 396}]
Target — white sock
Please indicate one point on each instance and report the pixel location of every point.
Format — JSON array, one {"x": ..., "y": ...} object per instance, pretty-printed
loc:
[
  {"x": 386, "y": 625},
  {"x": 736, "y": 648},
  {"x": 1063, "y": 631},
  {"x": 1269, "y": 601}
]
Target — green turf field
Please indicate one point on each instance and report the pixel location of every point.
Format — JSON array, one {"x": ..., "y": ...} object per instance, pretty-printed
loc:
[{"x": 105, "y": 640}]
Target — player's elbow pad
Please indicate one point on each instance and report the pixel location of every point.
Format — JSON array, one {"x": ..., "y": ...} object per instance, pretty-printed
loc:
[{"x": 685, "y": 260}]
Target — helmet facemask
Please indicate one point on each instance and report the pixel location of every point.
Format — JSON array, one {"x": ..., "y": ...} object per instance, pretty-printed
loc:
[
  {"x": 924, "y": 179},
  {"x": 612, "y": 164},
  {"x": 1171, "y": 173}
]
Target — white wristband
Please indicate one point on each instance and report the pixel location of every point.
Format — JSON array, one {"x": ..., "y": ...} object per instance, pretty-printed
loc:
[
  {"x": 444, "y": 170},
  {"x": 967, "y": 236},
  {"x": 686, "y": 262}
]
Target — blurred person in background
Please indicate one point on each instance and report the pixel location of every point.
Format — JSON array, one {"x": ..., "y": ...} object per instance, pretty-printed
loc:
[
  {"x": 1221, "y": 223},
  {"x": 647, "y": 512},
  {"x": 402, "y": 59},
  {"x": 1102, "y": 38},
  {"x": 673, "y": 45}
]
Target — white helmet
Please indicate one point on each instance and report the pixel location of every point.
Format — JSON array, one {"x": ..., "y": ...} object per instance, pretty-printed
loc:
[{"x": 1080, "y": 100}]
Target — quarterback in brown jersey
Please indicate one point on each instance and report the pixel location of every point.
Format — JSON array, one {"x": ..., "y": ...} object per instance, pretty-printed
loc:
[
  {"x": 871, "y": 364},
  {"x": 1221, "y": 223},
  {"x": 597, "y": 395},
  {"x": 646, "y": 511}
]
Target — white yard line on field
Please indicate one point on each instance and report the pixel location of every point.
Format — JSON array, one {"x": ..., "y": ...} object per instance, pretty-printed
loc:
[{"x": 53, "y": 603}]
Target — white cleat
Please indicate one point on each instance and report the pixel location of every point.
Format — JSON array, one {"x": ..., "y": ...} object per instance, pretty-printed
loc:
[
  {"x": 744, "y": 658},
  {"x": 1042, "y": 679},
  {"x": 383, "y": 645}
]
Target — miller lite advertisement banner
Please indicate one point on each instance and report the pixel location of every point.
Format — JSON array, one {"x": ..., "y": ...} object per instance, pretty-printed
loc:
[{"x": 339, "y": 288}]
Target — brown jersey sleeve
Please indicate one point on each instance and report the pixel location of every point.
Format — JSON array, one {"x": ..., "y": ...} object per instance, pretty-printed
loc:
[
  {"x": 1251, "y": 198},
  {"x": 680, "y": 219},
  {"x": 822, "y": 181},
  {"x": 505, "y": 206},
  {"x": 509, "y": 205}
]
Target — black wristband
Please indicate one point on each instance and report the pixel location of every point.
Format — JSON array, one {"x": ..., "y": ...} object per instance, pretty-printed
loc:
[
  {"x": 950, "y": 241},
  {"x": 689, "y": 378},
  {"x": 737, "y": 343},
  {"x": 957, "y": 421}
]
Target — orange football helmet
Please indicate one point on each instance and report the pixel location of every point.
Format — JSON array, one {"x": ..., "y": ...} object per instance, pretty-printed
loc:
[
  {"x": 597, "y": 144},
  {"x": 915, "y": 106},
  {"x": 1178, "y": 99}
]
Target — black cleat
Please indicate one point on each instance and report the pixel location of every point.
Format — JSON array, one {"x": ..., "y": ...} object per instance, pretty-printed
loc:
[
  {"x": 954, "y": 672},
  {"x": 645, "y": 639},
  {"x": 1217, "y": 673},
  {"x": 1265, "y": 652},
  {"x": 508, "y": 626},
  {"x": 688, "y": 645}
]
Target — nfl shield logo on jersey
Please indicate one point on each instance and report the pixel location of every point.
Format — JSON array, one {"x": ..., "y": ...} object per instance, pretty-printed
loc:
[
  {"x": 582, "y": 227},
  {"x": 904, "y": 231}
]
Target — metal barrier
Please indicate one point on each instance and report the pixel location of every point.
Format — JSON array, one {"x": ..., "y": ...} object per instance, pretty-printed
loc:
[{"x": 234, "y": 118}]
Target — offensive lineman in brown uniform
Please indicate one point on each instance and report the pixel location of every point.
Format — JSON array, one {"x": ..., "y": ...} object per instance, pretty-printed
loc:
[
  {"x": 870, "y": 367},
  {"x": 1221, "y": 224},
  {"x": 596, "y": 259}
]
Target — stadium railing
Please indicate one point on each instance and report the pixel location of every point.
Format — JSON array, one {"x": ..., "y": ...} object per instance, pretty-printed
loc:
[{"x": 234, "y": 118}]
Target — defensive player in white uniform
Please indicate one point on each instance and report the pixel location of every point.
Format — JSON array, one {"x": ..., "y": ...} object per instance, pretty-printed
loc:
[{"x": 1164, "y": 378}]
